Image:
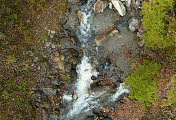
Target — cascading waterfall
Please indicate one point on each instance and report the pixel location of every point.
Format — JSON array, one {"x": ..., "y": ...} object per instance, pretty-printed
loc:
[
  {"x": 82, "y": 104},
  {"x": 84, "y": 69}
]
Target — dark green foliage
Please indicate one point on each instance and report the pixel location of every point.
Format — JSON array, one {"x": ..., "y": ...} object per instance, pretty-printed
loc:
[{"x": 142, "y": 82}]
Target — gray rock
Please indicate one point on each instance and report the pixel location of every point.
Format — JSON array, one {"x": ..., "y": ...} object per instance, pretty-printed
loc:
[
  {"x": 74, "y": 96},
  {"x": 119, "y": 6},
  {"x": 104, "y": 21},
  {"x": 133, "y": 24}
]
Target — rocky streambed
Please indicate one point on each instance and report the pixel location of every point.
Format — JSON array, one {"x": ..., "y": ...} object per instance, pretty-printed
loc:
[{"x": 111, "y": 47}]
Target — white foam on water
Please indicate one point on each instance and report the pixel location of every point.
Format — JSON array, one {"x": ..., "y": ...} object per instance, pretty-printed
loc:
[
  {"x": 84, "y": 69},
  {"x": 120, "y": 90},
  {"x": 67, "y": 97},
  {"x": 83, "y": 84}
]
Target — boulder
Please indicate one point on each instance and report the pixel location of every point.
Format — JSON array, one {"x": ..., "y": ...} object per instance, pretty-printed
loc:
[
  {"x": 119, "y": 6},
  {"x": 133, "y": 24},
  {"x": 100, "y": 6}
]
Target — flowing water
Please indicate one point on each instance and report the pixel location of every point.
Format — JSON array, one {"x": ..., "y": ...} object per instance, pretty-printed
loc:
[
  {"x": 83, "y": 69},
  {"x": 84, "y": 101}
]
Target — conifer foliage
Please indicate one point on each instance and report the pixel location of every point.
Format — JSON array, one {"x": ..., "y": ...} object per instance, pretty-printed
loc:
[
  {"x": 159, "y": 23},
  {"x": 142, "y": 82}
]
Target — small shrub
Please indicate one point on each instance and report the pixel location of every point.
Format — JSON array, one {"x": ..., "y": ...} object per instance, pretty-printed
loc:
[{"x": 142, "y": 83}]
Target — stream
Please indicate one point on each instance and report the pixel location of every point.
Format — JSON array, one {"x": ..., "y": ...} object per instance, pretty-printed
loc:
[{"x": 85, "y": 99}]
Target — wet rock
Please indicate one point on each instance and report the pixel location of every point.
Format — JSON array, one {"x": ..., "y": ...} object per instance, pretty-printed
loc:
[
  {"x": 79, "y": 16},
  {"x": 72, "y": 22},
  {"x": 100, "y": 6},
  {"x": 73, "y": 52},
  {"x": 74, "y": 96},
  {"x": 93, "y": 78},
  {"x": 133, "y": 24},
  {"x": 119, "y": 6}
]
